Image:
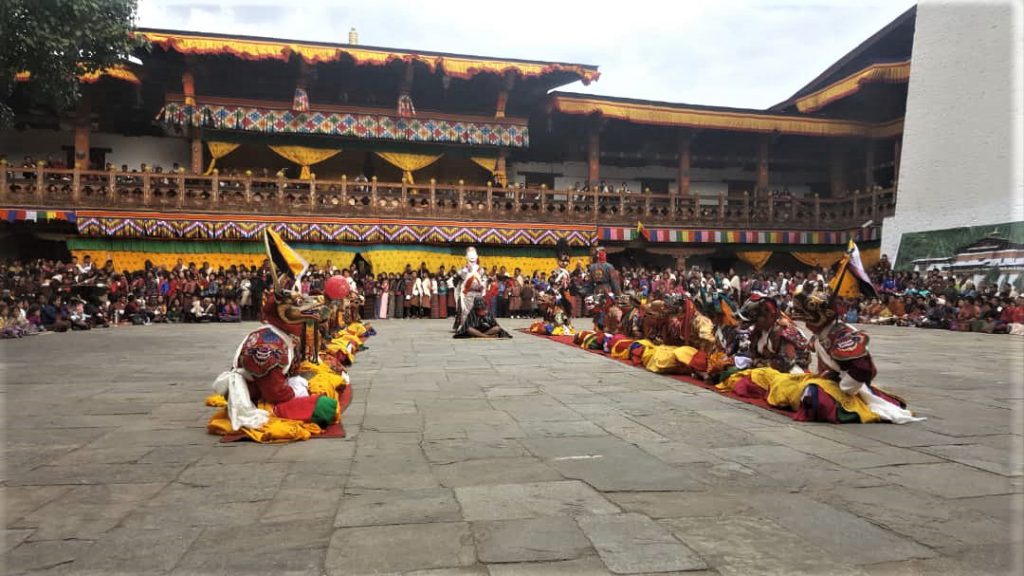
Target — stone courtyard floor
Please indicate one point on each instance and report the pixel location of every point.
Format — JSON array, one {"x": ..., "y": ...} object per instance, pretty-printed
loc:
[{"x": 502, "y": 458}]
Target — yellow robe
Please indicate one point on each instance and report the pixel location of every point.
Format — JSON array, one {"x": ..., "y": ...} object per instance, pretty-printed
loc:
[
  {"x": 322, "y": 380},
  {"x": 786, "y": 390}
]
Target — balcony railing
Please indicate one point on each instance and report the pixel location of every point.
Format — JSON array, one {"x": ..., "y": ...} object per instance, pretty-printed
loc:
[{"x": 37, "y": 187}]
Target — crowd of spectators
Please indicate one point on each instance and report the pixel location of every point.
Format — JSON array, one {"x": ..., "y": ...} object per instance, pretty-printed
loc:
[{"x": 49, "y": 296}]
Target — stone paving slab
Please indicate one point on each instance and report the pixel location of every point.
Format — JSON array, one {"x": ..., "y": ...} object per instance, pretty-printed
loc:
[
  {"x": 400, "y": 548},
  {"x": 744, "y": 545},
  {"x": 398, "y": 507},
  {"x": 530, "y": 540},
  {"x": 485, "y": 458},
  {"x": 633, "y": 544},
  {"x": 511, "y": 501}
]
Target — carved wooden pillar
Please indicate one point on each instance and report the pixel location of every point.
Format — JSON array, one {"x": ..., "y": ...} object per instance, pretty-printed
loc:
[
  {"x": 433, "y": 196},
  {"x": 3, "y": 179},
  {"x": 76, "y": 185},
  {"x": 762, "y": 167},
  {"x": 683, "y": 178},
  {"x": 869, "y": 166},
  {"x": 40, "y": 180},
  {"x": 837, "y": 169},
  {"x": 181, "y": 187},
  {"x": 188, "y": 85},
  {"x": 594, "y": 157},
  {"x": 501, "y": 175},
  {"x": 507, "y": 82},
  {"x": 196, "y": 147},
  {"x": 82, "y": 126},
  {"x": 147, "y": 187},
  {"x": 188, "y": 88}
]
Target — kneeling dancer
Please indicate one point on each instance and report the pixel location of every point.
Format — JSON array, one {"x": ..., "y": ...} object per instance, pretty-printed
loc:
[
  {"x": 479, "y": 323},
  {"x": 279, "y": 388}
]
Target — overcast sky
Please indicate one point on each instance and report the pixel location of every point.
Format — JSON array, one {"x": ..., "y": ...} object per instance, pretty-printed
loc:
[{"x": 742, "y": 53}]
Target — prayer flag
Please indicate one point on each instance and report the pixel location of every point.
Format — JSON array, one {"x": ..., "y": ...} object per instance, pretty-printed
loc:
[
  {"x": 30, "y": 215},
  {"x": 641, "y": 231},
  {"x": 285, "y": 260},
  {"x": 851, "y": 280}
]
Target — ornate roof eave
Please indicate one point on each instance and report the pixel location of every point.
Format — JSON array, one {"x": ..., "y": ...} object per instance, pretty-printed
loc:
[
  {"x": 116, "y": 72},
  {"x": 888, "y": 73},
  {"x": 454, "y": 65},
  {"x": 698, "y": 117}
]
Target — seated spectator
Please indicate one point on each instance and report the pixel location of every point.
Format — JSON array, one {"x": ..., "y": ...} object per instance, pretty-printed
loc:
[
  {"x": 9, "y": 324},
  {"x": 52, "y": 315},
  {"x": 76, "y": 315},
  {"x": 936, "y": 316},
  {"x": 967, "y": 313},
  {"x": 230, "y": 312},
  {"x": 195, "y": 312},
  {"x": 208, "y": 311},
  {"x": 159, "y": 310}
]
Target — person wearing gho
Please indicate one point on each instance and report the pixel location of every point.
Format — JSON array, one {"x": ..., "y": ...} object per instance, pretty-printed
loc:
[{"x": 480, "y": 323}]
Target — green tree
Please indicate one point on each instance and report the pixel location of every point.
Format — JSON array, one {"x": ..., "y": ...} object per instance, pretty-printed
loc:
[{"x": 56, "y": 41}]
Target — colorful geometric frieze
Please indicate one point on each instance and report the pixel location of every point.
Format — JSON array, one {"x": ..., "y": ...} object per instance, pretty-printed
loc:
[
  {"x": 692, "y": 236},
  {"x": 120, "y": 225},
  {"x": 350, "y": 124}
]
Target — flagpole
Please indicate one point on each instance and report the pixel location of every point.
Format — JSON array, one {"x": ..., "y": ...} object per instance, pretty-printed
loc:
[{"x": 850, "y": 244}]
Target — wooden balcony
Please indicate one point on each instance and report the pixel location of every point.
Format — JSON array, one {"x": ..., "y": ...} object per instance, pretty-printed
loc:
[{"x": 40, "y": 188}]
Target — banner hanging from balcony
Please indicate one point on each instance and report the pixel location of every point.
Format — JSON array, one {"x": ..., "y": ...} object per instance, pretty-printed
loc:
[
  {"x": 304, "y": 157},
  {"x": 218, "y": 150},
  {"x": 350, "y": 124},
  {"x": 229, "y": 227},
  {"x": 12, "y": 215},
  {"x": 409, "y": 163}
]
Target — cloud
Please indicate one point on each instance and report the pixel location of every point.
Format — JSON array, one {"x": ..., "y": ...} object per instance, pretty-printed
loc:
[{"x": 743, "y": 53}]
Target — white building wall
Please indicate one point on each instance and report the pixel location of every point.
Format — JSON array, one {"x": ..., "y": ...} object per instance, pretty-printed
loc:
[
  {"x": 961, "y": 158},
  {"x": 130, "y": 150}
]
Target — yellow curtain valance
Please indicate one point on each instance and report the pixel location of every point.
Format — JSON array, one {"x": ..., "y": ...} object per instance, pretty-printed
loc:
[
  {"x": 218, "y": 150},
  {"x": 757, "y": 259},
  {"x": 492, "y": 166},
  {"x": 408, "y": 163},
  {"x": 304, "y": 157},
  {"x": 818, "y": 259}
]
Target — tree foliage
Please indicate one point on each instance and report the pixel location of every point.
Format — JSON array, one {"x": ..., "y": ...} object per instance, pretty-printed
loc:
[{"x": 56, "y": 41}]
